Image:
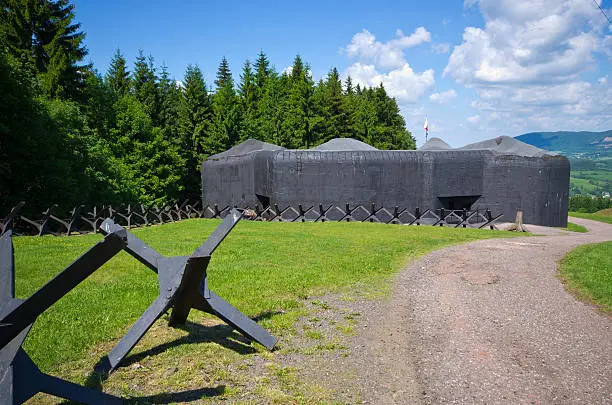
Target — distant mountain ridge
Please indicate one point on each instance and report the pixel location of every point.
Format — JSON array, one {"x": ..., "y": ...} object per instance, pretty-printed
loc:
[{"x": 574, "y": 144}]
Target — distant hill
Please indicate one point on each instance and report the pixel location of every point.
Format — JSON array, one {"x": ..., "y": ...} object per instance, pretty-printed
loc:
[
  {"x": 572, "y": 144},
  {"x": 590, "y": 155}
]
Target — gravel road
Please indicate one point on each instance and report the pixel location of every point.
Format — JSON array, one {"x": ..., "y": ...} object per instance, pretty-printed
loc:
[{"x": 488, "y": 322}]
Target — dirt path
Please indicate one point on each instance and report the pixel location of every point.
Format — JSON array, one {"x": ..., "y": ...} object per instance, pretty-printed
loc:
[{"x": 487, "y": 322}]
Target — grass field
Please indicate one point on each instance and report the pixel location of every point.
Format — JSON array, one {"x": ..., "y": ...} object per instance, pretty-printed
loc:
[
  {"x": 601, "y": 216},
  {"x": 587, "y": 271},
  {"x": 264, "y": 269},
  {"x": 575, "y": 228},
  {"x": 585, "y": 182}
]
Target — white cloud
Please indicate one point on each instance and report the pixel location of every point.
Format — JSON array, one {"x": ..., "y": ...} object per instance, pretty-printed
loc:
[
  {"x": 404, "y": 83},
  {"x": 528, "y": 41},
  {"x": 443, "y": 97},
  {"x": 577, "y": 105},
  {"x": 388, "y": 54},
  {"x": 474, "y": 119},
  {"x": 442, "y": 48},
  {"x": 526, "y": 66}
]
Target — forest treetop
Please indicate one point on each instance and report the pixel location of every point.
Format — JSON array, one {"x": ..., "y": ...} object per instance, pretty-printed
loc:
[{"x": 70, "y": 135}]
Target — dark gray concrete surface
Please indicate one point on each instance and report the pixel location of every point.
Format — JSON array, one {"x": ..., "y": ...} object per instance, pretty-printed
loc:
[{"x": 502, "y": 174}]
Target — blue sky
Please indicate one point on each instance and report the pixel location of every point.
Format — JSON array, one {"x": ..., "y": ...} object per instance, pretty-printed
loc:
[{"x": 478, "y": 68}]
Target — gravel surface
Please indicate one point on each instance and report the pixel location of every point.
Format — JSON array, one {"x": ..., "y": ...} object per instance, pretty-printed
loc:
[{"x": 488, "y": 322}]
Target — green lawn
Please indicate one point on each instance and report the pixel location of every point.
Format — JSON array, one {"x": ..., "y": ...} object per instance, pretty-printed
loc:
[
  {"x": 260, "y": 268},
  {"x": 598, "y": 216},
  {"x": 586, "y": 182},
  {"x": 575, "y": 228},
  {"x": 587, "y": 270}
]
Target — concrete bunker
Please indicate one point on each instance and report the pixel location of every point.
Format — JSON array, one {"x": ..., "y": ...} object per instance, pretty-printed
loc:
[{"x": 501, "y": 174}]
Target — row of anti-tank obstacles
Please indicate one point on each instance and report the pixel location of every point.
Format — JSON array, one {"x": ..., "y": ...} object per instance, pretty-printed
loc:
[
  {"x": 81, "y": 221},
  {"x": 182, "y": 282},
  {"x": 183, "y": 285}
]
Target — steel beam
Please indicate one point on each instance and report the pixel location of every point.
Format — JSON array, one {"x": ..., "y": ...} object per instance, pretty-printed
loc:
[
  {"x": 20, "y": 378},
  {"x": 183, "y": 285}
]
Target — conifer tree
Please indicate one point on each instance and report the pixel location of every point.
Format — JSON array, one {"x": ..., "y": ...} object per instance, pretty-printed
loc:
[
  {"x": 248, "y": 103},
  {"x": 42, "y": 31},
  {"x": 118, "y": 77},
  {"x": 272, "y": 109},
  {"x": 348, "y": 87},
  {"x": 226, "y": 129},
  {"x": 318, "y": 120},
  {"x": 296, "y": 126},
  {"x": 195, "y": 126},
  {"x": 99, "y": 102},
  {"x": 169, "y": 103},
  {"x": 145, "y": 86},
  {"x": 335, "y": 114},
  {"x": 350, "y": 100},
  {"x": 262, "y": 70}
]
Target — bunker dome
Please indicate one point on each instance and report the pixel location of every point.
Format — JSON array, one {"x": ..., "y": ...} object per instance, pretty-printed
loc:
[{"x": 501, "y": 174}]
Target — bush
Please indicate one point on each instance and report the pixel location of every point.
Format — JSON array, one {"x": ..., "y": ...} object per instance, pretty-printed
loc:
[{"x": 587, "y": 204}]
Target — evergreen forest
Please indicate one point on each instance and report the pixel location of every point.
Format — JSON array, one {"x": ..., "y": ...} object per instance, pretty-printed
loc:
[{"x": 71, "y": 135}]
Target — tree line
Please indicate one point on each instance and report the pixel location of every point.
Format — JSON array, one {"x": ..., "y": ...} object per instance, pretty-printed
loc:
[
  {"x": 70, "y": 134},
  {"x": 581, "y": 203}
]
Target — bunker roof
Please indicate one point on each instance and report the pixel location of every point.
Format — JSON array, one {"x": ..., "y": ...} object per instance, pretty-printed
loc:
[
  {"x": 435, "y": 144},
  {"x": 344, "y": 144},
  {"x": 250, "y": 145},
  {"x": 509, "y": 146}
]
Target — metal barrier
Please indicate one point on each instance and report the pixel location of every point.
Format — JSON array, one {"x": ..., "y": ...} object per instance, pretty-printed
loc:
[
  {"x": 360, "y": 213},
  {"x": 20, "y": 378},
  {"x": 78, "y": 220},
  {"x": 183, "y": 284}
]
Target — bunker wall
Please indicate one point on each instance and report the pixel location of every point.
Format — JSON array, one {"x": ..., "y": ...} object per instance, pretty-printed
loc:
[
  {"x": 229, "y": 181},
  {"x": 389, "y": 178},
  {"x": 538, "y": 186}
]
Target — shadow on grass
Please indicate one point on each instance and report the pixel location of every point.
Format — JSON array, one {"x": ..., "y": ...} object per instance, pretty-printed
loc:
[
  {"x": 183, "y": 396},
  {"x": 266, "y": 315},
  {"x": 171, "y": 397},
  {"x": 221, "y": 334}
]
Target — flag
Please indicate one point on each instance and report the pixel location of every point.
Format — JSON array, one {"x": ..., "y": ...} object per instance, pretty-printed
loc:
[{"x": 426, "y": 126}]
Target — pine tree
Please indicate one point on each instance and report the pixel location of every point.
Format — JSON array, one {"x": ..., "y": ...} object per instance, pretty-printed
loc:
[
  {"x": 42, "y": 32},
  {"x": 99, "y": 102},
  {"x": 248, "y": 103},
  {"x": 348, "y": 87},
  {"x": 350, "y": 100},
  {"x": 365, "y": 120},
  {"x": 195, "y": 117},
  {"x": 169, "y": 103},
  {"x": 336, "y": 116},
  {"x": 224, "y": 76},
  {"x": 195, "y": 129},
  {"x": 262, "y": 70},
  {"x": 19, "y": 21},
  {"x": 296, "y": 127},
  {"x": 226, "y": 129},
  {"x": 145, "y": 86},
  {"x": 63, "y": 50},
  {"x": 318, "y": 120},
  {"x": 118, "y": 77},
  {"x": 272, "y": 109}
]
